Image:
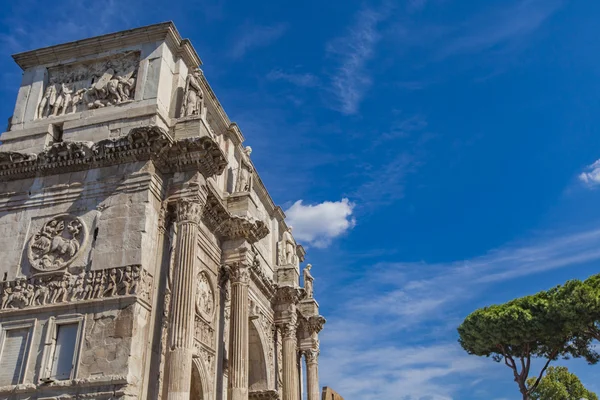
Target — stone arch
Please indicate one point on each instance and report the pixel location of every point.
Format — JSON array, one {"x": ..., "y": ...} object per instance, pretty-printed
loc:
[
  {"x": 258, "y": 368},
  {"x": 200, "y": 389}
]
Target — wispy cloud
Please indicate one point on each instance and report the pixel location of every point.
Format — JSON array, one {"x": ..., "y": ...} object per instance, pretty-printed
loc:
[
  {"x": 298, "y": 79},
  {"x": 351, "y": 79},
  {"x": 319, "y": 224},
  {"x": 416, "y": 308},
  {"x": 252, "y": 37},
  {"x": 591, "y": 175},
  {"x": 505, "y": 26}
]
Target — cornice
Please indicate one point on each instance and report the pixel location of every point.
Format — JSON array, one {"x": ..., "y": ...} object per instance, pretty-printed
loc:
[
  {"x": 140, "y": 144},
  {"x": 113, "y": 41},
  {"x": 262, "y": 281},
  {"x": 228, "y": 226},
  {"x": 287, "y": 295}
]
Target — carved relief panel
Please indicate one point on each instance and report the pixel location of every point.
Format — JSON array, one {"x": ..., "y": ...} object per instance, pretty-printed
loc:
[
  {"x": 57, "y": 244},
  {"x": 205, "y": 300},
  {"x": 88, "y": 85}
]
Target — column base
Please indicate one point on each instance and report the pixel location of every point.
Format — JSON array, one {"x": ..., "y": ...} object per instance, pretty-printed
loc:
[{"x": 180, "y": 374}]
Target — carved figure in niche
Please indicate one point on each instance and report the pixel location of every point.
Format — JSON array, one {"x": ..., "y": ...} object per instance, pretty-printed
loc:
[
  {"x": 205, "y": 303},
  {"x": 55, "y": 247},
  {"x": 244, "y": 181},
  {"x": 47, "y": 102},
  {"x": 193, "y": 97},
  {"x": 88, "y": 291},
  {"x": 98, "y": 285},
  {"x": 111, "y": 289},
  {"x": 63, "y": 101},
  {"x": 308, "y": 282},
  {"x": 41, "y": 293},
  {"x": 78, "y": 290},
  {"x": 287, "y": 249}
]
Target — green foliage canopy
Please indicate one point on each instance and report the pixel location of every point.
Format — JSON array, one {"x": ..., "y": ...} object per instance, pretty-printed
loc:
[
  {"x": 559, "y": 323},
  {"x": 560, "y": 384}
]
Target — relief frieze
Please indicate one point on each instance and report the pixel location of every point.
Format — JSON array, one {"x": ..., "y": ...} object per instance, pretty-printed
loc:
[
  {"x": 88, "y": 85},
  {"x": 63, "y": 287}
]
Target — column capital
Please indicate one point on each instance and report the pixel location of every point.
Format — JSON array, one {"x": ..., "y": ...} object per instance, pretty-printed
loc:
[
  {"x": 189, "y": 210},
  {"x": 239, "y": 273},
  {"x": 288, "y": 329},
  {"x": 312, "y": 355}
]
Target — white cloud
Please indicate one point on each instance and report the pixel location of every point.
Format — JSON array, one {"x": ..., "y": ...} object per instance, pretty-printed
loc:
[
  {"x": 351, "y": 80},
  {"x": 252, "y": 37},
  {"x": 591, "y": 175},
  {"x": 318, "y": 224},
  {"x": 393, "y": 333}
]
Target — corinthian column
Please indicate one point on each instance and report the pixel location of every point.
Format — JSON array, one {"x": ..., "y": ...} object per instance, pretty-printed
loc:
[
  {"x": 181, "y": 327},
  {"x": 312, "y": 374},
  {"x": 291, "y": 385},
  {"x": 238, "y": 355}
]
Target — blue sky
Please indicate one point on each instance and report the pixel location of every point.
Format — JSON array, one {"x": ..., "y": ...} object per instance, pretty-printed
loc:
[{"x": 435, "y": 156}]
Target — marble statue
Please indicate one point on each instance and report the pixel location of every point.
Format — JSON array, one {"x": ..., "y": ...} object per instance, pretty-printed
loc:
[
  {"x": 244, "y": 181},
  {"x": 308, "y": 282},
  {"x": 287, "y": 249},
  {"x": 193, "y": 98}
]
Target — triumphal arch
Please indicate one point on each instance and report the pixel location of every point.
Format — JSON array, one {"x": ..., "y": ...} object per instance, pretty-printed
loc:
[{"x": 141, "y": 256}]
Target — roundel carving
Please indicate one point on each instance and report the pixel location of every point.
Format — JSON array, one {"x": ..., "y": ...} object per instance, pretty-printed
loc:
[
  {"x": 57, "y": 244},
  {"x": 205, "y": 302}
]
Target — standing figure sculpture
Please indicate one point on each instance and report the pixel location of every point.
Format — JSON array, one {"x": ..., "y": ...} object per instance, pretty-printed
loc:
[
  {"x": 48, "y": 101},
  {"x": 287, "y": 249},
  {"x": 245, "y": 170},
  {"x": 193, "y": 98},
  {"x": 308, "y": 282}
]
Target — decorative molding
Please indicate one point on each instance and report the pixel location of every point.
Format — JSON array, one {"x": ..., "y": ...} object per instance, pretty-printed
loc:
[
  {"x": 263, "y": 395},
  {"x": 63, "y": 287},
  {"x": 57, "y": 244},
  {"x": 262, "y": 281},
  {"x": 140, "y": 144},
  {"x": 229, "y": 227},
  {"x": 287, "y": 295}
]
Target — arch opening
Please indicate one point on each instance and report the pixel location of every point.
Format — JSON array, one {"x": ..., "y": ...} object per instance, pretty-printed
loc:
[
  {"x": 196, "y": 391},
  {"x": 257, "y": 370}
]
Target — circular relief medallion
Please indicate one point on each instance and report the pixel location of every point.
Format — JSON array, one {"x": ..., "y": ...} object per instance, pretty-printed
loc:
[
  {"x": 57, "y": 244},
  {"x": 205, "y": 303}
]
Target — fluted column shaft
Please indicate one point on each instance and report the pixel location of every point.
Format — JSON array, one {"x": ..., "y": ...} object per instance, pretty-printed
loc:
[
  {"x": 238, "y": 354},
  {"x": 312, "y": 374},
  {"x": 181, "y": 327},
  {"x": 291, "y": 385}
]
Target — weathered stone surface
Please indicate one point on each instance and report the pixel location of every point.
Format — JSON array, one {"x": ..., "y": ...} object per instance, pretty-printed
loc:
[{"x": 130, "y": 209}]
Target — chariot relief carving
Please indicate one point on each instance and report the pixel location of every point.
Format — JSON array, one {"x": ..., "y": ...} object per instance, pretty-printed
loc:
[
  {"x": 57, "y": 244},
  {"x": 89, "y": 85}
]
